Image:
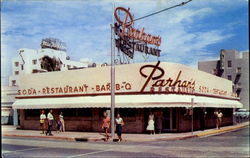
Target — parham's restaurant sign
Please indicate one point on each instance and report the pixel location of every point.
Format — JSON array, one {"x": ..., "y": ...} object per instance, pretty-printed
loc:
[
  {"x": 131, "y": 39},
  {"x": 132, "y": 79}
]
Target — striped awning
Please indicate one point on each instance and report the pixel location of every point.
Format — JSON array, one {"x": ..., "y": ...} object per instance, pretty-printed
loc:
[{"x": 126, "y": 101}]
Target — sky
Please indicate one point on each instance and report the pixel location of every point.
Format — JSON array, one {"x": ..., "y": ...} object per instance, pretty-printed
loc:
[{"x": 194, "y": 32}]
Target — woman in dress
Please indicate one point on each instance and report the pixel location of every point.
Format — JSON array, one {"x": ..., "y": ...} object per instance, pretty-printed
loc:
[
  {"x": 151, "y": 123},
  {"x": 119, "y": 123}
]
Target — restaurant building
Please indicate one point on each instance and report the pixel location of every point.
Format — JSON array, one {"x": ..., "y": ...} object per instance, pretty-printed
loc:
[{"x": 175, "y": 94}]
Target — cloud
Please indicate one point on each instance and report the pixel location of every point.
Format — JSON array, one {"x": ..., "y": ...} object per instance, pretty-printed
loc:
[{"x": 189, "y": 15}]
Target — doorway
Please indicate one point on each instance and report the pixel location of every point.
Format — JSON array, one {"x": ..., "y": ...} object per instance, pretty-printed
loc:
[{"x": 169, "y": 119}]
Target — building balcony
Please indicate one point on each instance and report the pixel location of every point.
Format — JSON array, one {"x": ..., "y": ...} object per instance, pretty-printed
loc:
[
  {"x": 39, "y": 70},
  {"x": 222, "y": 67},
  {"x": 238, "y": 72},
  {"x": 238, "y": 87}
]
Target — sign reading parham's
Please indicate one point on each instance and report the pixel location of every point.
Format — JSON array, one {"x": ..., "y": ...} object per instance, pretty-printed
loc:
[
  {"x": 131, "y": 39},
  {"x": 131, "y": 79}
]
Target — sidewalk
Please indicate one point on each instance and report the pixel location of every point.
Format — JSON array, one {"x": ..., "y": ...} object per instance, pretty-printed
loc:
[{"x": 91, "y": 136}]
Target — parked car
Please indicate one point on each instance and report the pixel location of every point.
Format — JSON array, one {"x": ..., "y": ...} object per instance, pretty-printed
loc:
[{"x": 242, "y": 113}]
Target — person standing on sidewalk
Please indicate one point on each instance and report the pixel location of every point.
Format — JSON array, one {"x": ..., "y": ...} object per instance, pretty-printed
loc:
[
  {"x": 50, "y": 123},
  {"x": 42, "y": 121},
  {"x": 119, "y": 123},
  {"x": 58, "y": 125},
  {"x": 151, "y": 123},
  {"x": 219, "y": 119},
  {"x": 105, "y": 125},
  {"x": 62, "y": 129}
]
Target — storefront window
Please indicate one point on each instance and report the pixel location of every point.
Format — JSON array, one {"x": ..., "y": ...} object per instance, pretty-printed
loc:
[
  {"x": 127, "y": 112},
  {"x": 84, "y": 112},
  {"x": 101, "y": 111},
  {"x": 87, "y": 112},
  {"x": 227, "y": 112},
  {"x": 69, "y": 112},
  {"x": 32, "y": 114},
  {"x": 210, "y": 113},
  {"x": 174, "y": 118}
]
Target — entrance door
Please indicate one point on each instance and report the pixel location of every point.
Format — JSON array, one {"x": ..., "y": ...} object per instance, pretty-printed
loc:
[
  {"x": 166, "y": 119},
  {"x": 202, "y": 119},
  {"x": 169, "y": 119}
]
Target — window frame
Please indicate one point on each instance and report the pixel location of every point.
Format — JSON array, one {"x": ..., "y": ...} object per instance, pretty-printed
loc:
[
  {"x": 16, "y": 63},
  {"x": 16, "y": 72},
  {"x": 34, "y": 62},
  {"x": 13, "y": 82},
  {"x": 229, "y": 65}
]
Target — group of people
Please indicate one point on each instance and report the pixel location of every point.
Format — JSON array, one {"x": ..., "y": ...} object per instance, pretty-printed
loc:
[
  {"x": 106, "y": 124},
  {"x": 50, "y": 119},
  {"x": 120, "y": 123}
]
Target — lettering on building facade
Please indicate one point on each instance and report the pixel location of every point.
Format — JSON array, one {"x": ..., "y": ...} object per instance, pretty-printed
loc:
[{"x": 151, "y": 78}]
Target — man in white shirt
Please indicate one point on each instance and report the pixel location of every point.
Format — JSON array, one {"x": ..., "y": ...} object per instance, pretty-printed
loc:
[{"x": 50, "y": 123}]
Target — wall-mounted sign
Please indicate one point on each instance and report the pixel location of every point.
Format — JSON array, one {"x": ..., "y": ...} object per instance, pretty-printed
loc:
[{"x": 131, "y": 39}]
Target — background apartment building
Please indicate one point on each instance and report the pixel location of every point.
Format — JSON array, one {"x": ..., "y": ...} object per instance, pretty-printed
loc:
[
  {"x": 50, "y": 57},
  {"x": 233, "y": 66}
]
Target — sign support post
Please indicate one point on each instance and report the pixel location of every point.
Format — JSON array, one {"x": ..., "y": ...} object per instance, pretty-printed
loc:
[
  {"x": 192, "y": 104},
  {"x": 112, "y": 85},
  {"x": 112, "y": 80}
]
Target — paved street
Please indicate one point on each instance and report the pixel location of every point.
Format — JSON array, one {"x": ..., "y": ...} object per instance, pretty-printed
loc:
[{"x": 232, "y": 144}]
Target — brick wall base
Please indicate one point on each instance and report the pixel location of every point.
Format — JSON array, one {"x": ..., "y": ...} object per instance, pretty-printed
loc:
[{"x": 134, "y": 124}]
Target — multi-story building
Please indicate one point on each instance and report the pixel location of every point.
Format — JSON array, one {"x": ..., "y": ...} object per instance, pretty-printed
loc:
[
  {"x": 51, "y": 57},
  {"x": 233, "y": 66}
]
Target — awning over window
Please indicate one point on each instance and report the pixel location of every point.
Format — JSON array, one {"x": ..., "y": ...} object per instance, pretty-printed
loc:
[{"x": 126, "y": 101}]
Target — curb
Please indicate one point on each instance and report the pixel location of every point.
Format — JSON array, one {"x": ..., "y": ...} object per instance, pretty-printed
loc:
[
  {"x": 218, "y": 131},
  {"x": 47, "y": 137},
  {"x": 84, "y": 139}
]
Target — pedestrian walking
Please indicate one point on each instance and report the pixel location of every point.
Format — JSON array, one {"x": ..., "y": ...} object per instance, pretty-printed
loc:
[
  {"x": 105, "y": 125},
  {"x": 58, "y": 125},
  {"x": 42, "y": 121},
  {"x": 119, "y": 123},
  {"x": 62, "y": 128},
  {"x": 50, "y": 119},
  {"x": 151, "y": 123}
]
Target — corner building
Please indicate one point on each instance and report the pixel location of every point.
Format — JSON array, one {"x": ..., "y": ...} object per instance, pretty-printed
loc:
[{"x": 166, "y": 89}]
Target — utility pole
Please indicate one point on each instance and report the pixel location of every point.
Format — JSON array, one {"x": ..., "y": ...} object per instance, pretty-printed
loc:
[
  {"x": 192, "y": 104},
  {"x": 112, "y": 79}
]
